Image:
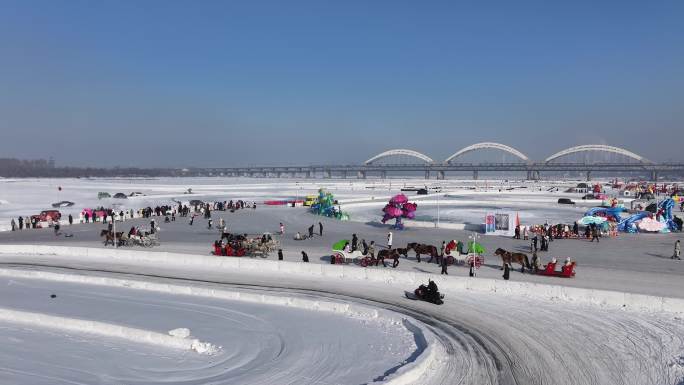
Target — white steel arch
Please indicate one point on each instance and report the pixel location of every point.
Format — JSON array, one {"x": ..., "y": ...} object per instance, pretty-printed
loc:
[
  {"x": 597, "y": 147},
  {"x": 488, "y": 145},
  {"x": 400, "y": 151}
]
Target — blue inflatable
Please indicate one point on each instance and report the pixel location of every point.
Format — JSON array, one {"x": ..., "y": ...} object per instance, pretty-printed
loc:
[
  {"x": 628, "y": 225},
  {"x": 608, "y": 212},
  {"x": 667, "y": 205}
]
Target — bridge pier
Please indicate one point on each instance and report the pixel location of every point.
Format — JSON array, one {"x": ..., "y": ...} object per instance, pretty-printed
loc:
[
  {"x": 654, "y": 175},
  {"x": 308, "y": 174},
  {"x": 383, "y": 174},
  {"x": 344, "y": 174},
  {"x": 533, "y": 175},
  {"x": 361, "y": 175},
  {"x": 327, "y": 174},
  {"x": 588, "y": 176},
  {"x": 440, "y": 175},
  {"x": 427, "y": 174},
  {"x": 475, "y": 175}
]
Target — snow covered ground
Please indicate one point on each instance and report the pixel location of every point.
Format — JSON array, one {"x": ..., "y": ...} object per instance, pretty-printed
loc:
[
  {"x": 488, "y": 331},
  {"x": 25, "y": 197},
  {"x": 257, "y": 341}
]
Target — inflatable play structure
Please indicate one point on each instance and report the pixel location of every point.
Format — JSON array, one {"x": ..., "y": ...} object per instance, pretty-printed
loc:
[
  {"x": 397, "y": 208},
  {"x": 644, "y": 221},
  {"x": 662, "y": 221},
  {"x": 610, "y": 213},
  {"x": 324, "y": 205}
]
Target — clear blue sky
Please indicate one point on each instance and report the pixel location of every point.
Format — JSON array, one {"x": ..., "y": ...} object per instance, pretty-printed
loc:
[{"x": 180, "y": 83}]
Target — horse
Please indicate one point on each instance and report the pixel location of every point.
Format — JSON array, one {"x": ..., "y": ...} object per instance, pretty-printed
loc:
[
  {"x": 420, "y": 248},
  {"x": 509, "y": 257},
  {"x": 110, "y": 236},
  {"x": 393, "y": 254}
]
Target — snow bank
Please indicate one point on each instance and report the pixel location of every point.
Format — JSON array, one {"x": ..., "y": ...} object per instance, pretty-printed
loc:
[
  {"x": 103, "y": 329},
  {"x": 427, "y": 346},
  {"x": 623, "y": 300}
]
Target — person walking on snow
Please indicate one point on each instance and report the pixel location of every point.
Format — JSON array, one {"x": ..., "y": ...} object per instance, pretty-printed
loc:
[
  {"x": 71, "y": 220},
  {"x": 282, "y": 228},
  {"x": 311, "y": 231},
  {"x": 320, "y": 229},
  {"x": 13, "y": 224},
  {"x": 677, "y": 250},
  {"x": 389, "y": 240},
  {"x": 305, "y": 257}
]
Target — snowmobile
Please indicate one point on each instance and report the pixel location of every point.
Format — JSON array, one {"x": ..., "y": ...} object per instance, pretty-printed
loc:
[{"x": 429, "y": 293}]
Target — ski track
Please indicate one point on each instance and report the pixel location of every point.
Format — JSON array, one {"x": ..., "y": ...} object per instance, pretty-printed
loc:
[{"x": 501, "y": 340}]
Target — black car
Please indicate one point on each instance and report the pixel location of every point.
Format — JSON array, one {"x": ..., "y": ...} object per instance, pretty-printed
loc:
[
  {"x": 120, "y": 196},
  {"x": 565, "y": 201}
]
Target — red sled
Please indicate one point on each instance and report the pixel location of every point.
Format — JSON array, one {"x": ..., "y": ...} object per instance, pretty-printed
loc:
[{"x": 565, "y": 272}]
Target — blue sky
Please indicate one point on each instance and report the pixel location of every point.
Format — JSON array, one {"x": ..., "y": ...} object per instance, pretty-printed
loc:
[{"x": 219, "y": 83}]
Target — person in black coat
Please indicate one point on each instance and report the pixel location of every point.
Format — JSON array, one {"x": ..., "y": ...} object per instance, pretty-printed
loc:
[
  {"x": 311, "y": 228},
  {"x": 305, "y": 257},
  {"x": 320, "y": 229},
  {"x": 280, "y": 254},
  {"x": 507, "y": 272},
  {"x": 71, "y": 220},
  {"x": 21, "y": 223},
  {"x": 444, "y": 266},
  {"x": 354, "y": 243}
]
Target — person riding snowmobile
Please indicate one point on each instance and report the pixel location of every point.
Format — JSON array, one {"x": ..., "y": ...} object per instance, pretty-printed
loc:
[{"x": 429, "y": 293}]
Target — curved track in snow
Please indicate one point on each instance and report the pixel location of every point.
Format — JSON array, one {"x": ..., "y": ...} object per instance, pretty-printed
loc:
[{"x": 494, "y": 339}]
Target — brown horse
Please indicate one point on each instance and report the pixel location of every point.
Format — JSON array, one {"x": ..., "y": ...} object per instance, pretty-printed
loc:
[
  {"x": 510, "y": 258},
  {"x": 420, "y": 248},
  {"x": 391, "y": 253},
  {"x": 110, "y": 236}
]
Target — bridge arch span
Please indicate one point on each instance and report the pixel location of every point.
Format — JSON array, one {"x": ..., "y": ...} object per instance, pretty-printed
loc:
[
  {"x": 597, "y": 147},
  {"x": 488, "y": 145},
  {"x": 398, "y": 152}
]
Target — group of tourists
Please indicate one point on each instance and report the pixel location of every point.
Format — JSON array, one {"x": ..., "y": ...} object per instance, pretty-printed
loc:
[{"x": 33, "y": 222}]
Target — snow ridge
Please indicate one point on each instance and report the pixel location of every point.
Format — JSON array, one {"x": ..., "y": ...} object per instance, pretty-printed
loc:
[{"x": 81, "y": 326}]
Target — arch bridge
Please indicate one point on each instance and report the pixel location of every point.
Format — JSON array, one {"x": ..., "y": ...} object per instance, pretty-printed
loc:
[{"x": 419, "y": 162}]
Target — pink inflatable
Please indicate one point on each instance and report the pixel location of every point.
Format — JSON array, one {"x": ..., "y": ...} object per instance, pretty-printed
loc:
[{"x": 399, "y": 207}]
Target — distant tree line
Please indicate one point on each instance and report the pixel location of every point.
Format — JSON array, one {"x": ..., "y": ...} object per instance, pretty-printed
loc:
[{"x": 18, "y": 168}]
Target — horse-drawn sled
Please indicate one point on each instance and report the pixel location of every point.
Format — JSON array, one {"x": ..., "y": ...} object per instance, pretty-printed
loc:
[
  {"x": 242, "y": 245},
  {"x": 508, "y": 257},
  {"x": 139, "y": 238},
  {"x": 342, "y": 254}
]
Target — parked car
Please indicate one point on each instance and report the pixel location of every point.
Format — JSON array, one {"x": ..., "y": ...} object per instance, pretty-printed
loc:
[
  {"x": 102, "y": 195},
  {"x": 120, "y": 196},
  {"x": 48, "y": 215},
  {"x": 136, "y": 194},
  {"x": 63, "y": 204},
  {"x": 310, "y": 200},
  {"x": 565, "y": 201},
  {"x": 422, "y": 191}
]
